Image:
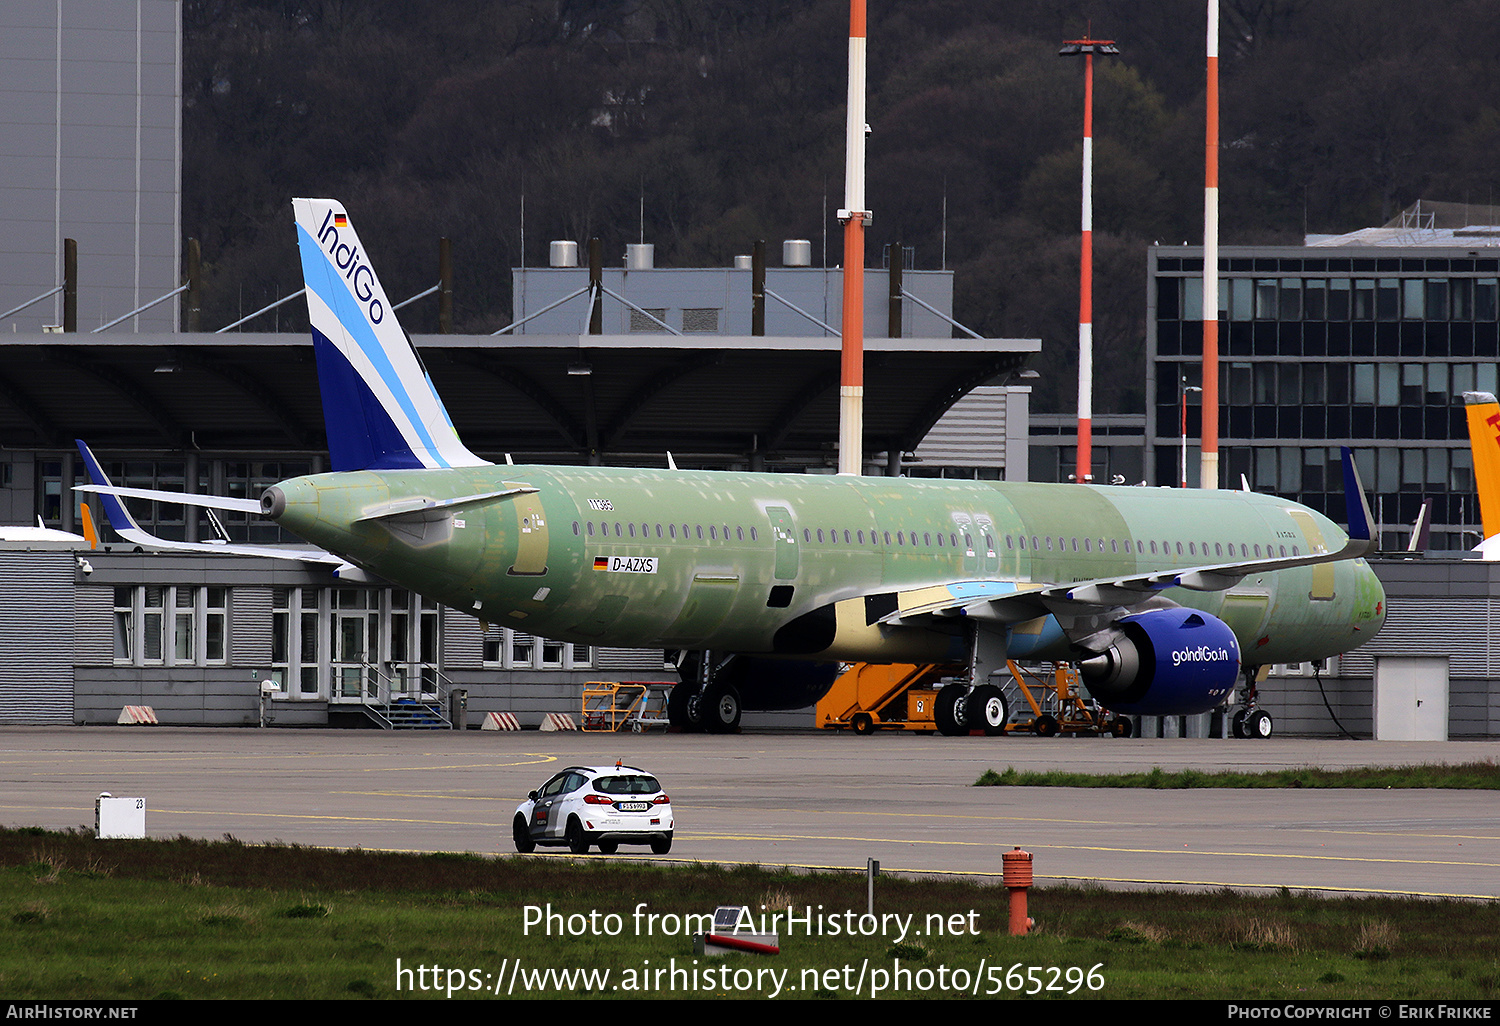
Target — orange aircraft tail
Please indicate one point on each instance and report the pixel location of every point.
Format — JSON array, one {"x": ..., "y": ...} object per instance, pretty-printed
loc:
[{"x": 1484, "y": 437}]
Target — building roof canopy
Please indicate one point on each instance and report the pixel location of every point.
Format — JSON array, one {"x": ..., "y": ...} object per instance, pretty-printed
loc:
[{"x": 542, "y": 398}]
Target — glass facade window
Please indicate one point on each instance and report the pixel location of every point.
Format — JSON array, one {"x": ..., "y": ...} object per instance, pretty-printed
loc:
[
  {"x": 352, "y": 644},
  {"x": 158, "y": 625},
  {"x": 1321, "y": 349},
  {"x": 512, "y": 650}
]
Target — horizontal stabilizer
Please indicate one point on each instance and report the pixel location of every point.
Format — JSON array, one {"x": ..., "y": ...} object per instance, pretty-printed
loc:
[
  {"x": 181, "y": 498},
  {"x": 418, "y": 509},
  {"x": 132, "y": 532}
]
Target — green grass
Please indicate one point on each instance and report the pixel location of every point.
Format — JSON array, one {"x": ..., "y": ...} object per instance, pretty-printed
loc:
[
  {"x": 137, "y": 920},
  {"x": 1480, "y": 776}
]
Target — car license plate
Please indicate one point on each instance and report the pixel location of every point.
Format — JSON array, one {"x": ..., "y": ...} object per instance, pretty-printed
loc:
[{"x": 632, "y": 806}]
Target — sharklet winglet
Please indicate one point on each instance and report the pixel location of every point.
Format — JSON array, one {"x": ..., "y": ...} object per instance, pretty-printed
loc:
[{"x": 1356, "y": 506}]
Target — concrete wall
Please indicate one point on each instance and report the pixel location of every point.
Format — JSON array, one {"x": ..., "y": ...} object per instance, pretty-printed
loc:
[{"x": 90, "y": 111}]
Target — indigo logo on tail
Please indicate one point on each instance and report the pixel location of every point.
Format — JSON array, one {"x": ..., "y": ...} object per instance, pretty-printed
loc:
[{"x": 356, "y": 271}]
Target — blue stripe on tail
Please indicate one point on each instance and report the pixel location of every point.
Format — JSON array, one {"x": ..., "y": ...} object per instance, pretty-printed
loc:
[{"x": 361, "y": 435}]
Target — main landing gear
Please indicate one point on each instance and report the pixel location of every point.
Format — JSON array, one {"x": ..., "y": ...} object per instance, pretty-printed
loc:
[
  {"x": 1249, "y": 720},
  {"x": 960, "y": 709},
  {"x": 700, "y": 702}
]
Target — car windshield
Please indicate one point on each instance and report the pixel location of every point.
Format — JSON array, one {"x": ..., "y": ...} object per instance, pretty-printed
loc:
[{"x": 633, "y": 784}]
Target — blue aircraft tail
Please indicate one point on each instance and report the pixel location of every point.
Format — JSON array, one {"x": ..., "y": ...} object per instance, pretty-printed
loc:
[{"x": 379, "y": 405}]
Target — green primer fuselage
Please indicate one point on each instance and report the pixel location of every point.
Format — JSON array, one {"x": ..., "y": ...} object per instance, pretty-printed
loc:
[{"x": 723, "y": 561}]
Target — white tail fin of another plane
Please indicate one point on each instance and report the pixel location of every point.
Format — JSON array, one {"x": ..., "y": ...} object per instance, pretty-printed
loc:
[{"x": 379, "y": 405}]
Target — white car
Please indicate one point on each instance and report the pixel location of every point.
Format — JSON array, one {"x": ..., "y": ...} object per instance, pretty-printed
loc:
[{"x": 605, "y": 806}]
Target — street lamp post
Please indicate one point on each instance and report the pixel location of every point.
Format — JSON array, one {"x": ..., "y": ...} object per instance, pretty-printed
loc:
[
  {"x": 1183, "y": 393},
  {"x": 1087, "y": 48}
]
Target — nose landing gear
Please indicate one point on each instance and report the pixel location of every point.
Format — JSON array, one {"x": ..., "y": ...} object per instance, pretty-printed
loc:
[{"x": 1250, "y": 720}]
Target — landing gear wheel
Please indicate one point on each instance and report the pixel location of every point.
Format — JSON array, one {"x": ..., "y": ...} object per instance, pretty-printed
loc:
[
  {"x": 1237, "y": 723},
  {"x": 578, "y": 841},
  {"x": 862, "y": 723},
  {"x": 661, "y": 845},
  {"x": 1047, "y": 725},
  {"x": 522, "y": 835},
  {"x": 721, "y": 709},
  {"x": 685, "y": 708},
  {"x": 1121, "y": 727},
  {"x": 1258, "y": 724},
  {"x": 950, "y": 711},
  {"x": 987, "y": 710},
  {"x": 608, "y": 847}
]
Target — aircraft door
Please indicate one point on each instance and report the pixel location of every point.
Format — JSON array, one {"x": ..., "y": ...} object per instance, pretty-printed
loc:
[
  {"x": 984, "y": 544},
  {"x": 531, "y": 534},
  {"x": 964, "y": 524},
  {"x": 355, "y": 626},
  {"x": 783, "y": 530},
  {"x": 1322, "y": 573}
]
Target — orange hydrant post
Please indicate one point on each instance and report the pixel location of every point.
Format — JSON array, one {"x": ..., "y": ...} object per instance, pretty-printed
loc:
[{"x": 1017, "y": 878}]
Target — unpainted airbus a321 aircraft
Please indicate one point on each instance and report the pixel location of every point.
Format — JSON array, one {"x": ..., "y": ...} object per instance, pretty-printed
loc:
[{"x": 1163, "y": 597}]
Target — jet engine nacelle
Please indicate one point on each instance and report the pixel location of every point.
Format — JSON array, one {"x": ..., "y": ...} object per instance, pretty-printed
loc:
[{"x": 1164, "y": 662}]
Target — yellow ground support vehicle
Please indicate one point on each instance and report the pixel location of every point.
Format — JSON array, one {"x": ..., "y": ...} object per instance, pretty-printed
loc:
[{"x": 900, "y": 696}]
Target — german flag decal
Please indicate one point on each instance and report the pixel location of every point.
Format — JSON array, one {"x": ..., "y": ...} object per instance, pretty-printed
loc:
[
  {"x": 601, "y": 562},
  {"x": 340, "y": 221}
]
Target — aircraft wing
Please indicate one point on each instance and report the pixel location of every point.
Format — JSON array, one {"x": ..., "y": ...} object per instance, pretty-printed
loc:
[
  {"x": 127, "y": 528},
  {"x": 1007, "y": 602}
]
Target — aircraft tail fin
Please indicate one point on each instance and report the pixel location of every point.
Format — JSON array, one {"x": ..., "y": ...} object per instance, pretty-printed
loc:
[
  {"x": 115, "y": 512},
  {"x": 1484, "y": 438},
  {"x": 90, "y": 532},
  {"x": 379, "y": 404}
]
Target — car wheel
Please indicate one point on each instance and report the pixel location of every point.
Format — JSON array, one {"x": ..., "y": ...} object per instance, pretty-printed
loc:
[
  {"x": 661, "y": 845},
  {"x": 1237, "y": 723},
  {"x": 609, "y": 847},
  {"x": 1258, "y": 724},
  {"x": 721, "y": 709},
  {"x": 1121, "y": 727},
  {"x": 1047, "y": 725},
  {"x": 949, "y": 711},
  {"x": 987, "y": 710},
  {"x": 522, "y": 835},
  {"x": 578, "y": 841},
  {"x": 862, "y": 723}
]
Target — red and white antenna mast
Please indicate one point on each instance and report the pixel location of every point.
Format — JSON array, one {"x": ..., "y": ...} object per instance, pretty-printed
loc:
[
  {"x": 855, "y": 217},
  {"x": 1208, "y": 466},
  {"x": 1087, "y": 48}
]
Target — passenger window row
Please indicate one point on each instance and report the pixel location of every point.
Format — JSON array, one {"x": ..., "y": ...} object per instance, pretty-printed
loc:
[{"x": 944, "y": 540}]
